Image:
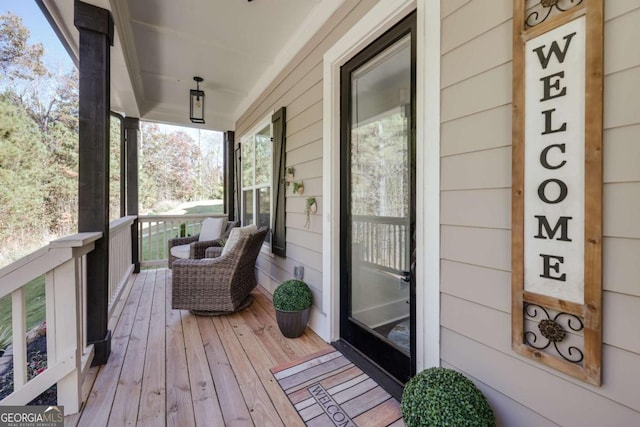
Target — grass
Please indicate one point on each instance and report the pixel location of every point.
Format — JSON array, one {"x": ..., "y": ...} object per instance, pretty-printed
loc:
[
  {"x": 34, "y": 300},
  {"x": 206, "y": 209}
]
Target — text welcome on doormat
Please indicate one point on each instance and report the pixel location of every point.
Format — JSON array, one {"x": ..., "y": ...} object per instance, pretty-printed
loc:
[{"x": 330, "y": 407}]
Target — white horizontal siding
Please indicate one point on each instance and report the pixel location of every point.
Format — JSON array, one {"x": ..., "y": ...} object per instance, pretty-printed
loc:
[
  {"x": 492, "y": 208},
  {"x": 622, "y": 209},
  {"x": 477, "y": 170},
  {"x": 450, "y": 6},
  {"x": 475, "y": 18},
  {"x": 621, "y": 96},
  {"x": 621, "y": 154},
  {"x": 477, "y": 246},
  {"x": 477, "y": 132},
  {"x": 479, "y": 93},
  {"x": 483, "y": 285},
  {"x": 478, "y": 55},
  {"x": 621, "y": 266}
]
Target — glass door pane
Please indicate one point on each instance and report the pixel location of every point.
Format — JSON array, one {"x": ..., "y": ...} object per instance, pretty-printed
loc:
[{"x": 380, "y": 194}]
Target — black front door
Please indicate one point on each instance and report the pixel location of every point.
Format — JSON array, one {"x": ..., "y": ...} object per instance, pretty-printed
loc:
[{"x": 377, "y": 206}]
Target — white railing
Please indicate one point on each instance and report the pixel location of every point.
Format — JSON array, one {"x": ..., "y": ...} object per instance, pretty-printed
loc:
[
  {"x": 155, "y": 232},
  {"x": 383, "y": 241},
  {"x": 120, "y": 260},
  {"x": 62, "y": 262}
]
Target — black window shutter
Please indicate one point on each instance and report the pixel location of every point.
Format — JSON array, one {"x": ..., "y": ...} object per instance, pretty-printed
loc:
[{"x": 278, "y": 228}]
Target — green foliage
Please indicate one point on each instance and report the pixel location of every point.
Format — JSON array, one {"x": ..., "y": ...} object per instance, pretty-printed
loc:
[
  {"x": 183, "y": 230},
  {"x": 23, "y": 162},
  {"x": 292, "y": 295},
  {"x": 5, "y": 337},
  {"x": 307, "y": 210},
  {"x": 114, "y": 168},
  {"x": 443, "y": 397}
]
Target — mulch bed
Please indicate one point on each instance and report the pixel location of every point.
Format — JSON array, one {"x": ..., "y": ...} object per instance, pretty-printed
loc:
[{"x": 37, "y": 357}]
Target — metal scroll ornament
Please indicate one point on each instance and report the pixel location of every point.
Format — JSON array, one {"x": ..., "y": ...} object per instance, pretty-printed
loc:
[
  {"x": 551, "y": 331},
  {"x": 540, "y": 14}
]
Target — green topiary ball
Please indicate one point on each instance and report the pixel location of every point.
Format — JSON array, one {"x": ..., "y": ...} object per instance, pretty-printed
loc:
[
  {"x": 292, "y": 295},
  {"x": 440, "y": 397}
]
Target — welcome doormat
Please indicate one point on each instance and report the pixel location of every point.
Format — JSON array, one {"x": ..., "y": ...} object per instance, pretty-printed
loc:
[{"x": 327, "y": 389}]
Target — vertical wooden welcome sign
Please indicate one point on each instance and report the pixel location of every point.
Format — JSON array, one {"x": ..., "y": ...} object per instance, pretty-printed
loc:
[{"x": 557, "y": 184}]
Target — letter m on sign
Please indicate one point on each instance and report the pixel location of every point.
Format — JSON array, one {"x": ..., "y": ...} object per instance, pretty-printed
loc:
[{"x": 562, "y": 225}]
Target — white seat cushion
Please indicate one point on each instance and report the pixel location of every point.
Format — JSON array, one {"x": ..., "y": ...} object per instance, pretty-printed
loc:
[
  {"x": 235, "y": 235},
  {"x": 180, "y": 251},
  {"x": 212, "y": 228}
]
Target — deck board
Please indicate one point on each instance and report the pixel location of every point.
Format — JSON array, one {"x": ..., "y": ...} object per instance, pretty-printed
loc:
[
  {"x": 153, "y": 394},
  {"x": 99, "y": 403},
  {"x": 130, "y": 384},
  {"x": 168, "y": 367},
  {"x": 234, "y": 408},
  {"x": 179, "y": 405},
  {"x": 206, "y": 407}
]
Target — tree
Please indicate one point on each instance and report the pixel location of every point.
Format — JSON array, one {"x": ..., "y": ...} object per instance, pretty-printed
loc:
[
  {"x": 38, "y": 144},
  {"x": 380, "y": 180},
  {"x": 18, "y": 58},
  {"x": 23, "y": 172},
  {"x": 173, "y": 167}
]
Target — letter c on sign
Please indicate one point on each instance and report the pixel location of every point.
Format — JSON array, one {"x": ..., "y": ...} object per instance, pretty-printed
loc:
[{"x": 544, "y": 161}]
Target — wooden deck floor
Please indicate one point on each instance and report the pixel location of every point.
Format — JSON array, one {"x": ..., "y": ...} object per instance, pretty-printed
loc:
[{"x": 168, "y": 367}]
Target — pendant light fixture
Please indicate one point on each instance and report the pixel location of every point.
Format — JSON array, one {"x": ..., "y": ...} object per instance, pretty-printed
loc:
[{"x": 196, "y": 103}]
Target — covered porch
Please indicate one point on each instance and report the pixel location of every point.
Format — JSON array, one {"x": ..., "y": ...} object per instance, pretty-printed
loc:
[{"x": 466, "y": 298}]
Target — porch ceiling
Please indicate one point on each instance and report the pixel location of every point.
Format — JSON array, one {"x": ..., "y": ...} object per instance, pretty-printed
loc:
[{"x": 237, "y": 46}]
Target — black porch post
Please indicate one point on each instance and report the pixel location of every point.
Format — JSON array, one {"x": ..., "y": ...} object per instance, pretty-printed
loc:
[
  {"x": 132, "y": 133},
  {"x": 229, "y": 174},
  {"x": 96, "y": 37}
]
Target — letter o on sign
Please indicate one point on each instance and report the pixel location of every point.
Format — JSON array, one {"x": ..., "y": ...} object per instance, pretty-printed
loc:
[{"x": 542, "y": 191}]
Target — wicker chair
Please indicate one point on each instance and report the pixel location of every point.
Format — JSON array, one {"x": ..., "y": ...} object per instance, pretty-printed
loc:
[
  {"x": 222, "y": 285},
  {"x": 196, "y": 248}
]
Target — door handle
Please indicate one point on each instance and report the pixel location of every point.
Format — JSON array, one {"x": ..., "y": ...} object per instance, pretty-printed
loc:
[{"x": 406, "y": 276}]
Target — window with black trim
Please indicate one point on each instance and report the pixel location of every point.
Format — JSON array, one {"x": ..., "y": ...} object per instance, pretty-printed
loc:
[{"x": 257, "y": 165}]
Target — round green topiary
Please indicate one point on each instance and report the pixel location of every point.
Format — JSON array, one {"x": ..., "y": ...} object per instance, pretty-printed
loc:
[
  {"x": 292, "y": 295},
  {"x": 443, "y": 397}
]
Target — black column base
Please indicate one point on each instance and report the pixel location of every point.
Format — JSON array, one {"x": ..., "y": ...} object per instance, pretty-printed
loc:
[
  {"x": 136, "y": 267},
  {"x": 101, "y": 350}
]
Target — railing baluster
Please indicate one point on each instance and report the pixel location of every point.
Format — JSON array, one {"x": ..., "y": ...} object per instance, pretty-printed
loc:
[
  {"x": 163, "y": 254},
  {"x": 19, "y": 321}
]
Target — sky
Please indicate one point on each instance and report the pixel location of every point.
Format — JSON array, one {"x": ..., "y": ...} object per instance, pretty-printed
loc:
[{"x": 40, "y": 32}]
